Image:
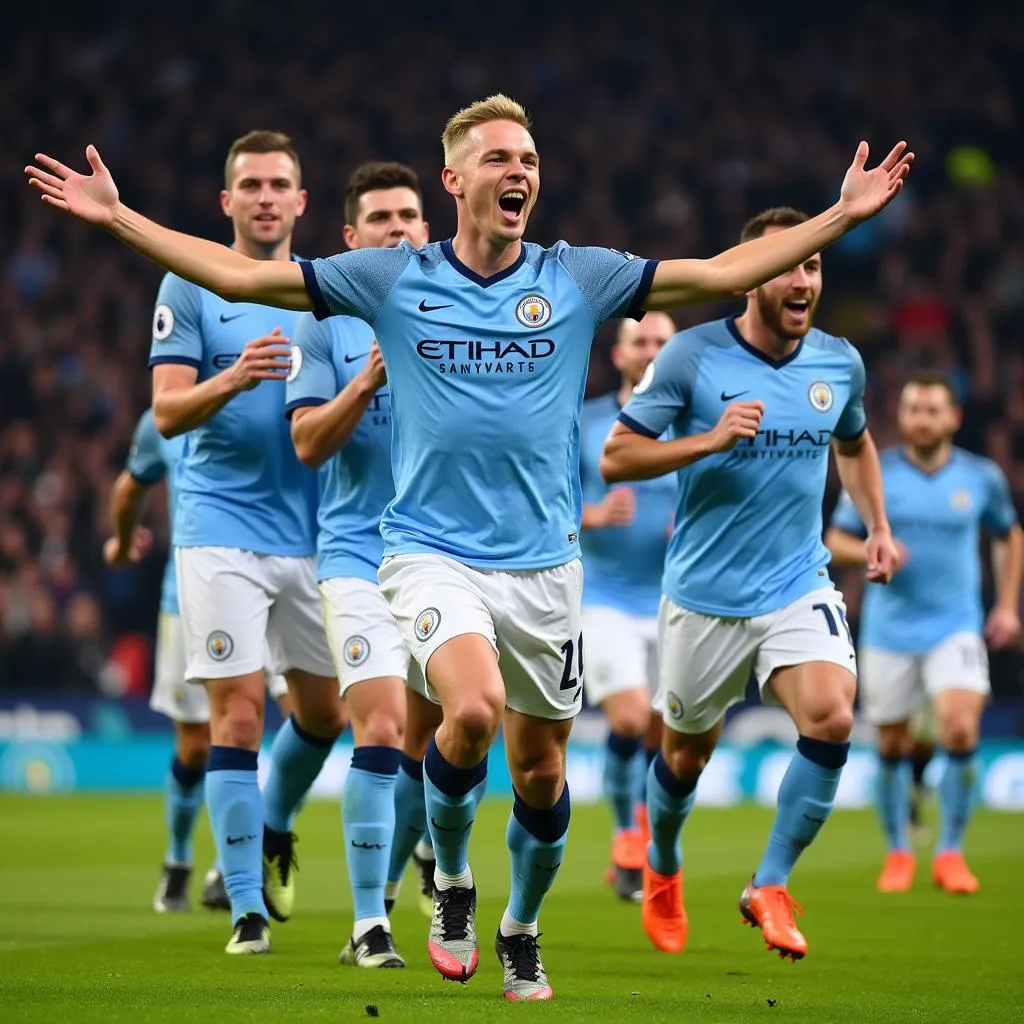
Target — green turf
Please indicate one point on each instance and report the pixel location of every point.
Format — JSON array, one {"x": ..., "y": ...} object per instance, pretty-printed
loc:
[{"x": 79, "y": 942}]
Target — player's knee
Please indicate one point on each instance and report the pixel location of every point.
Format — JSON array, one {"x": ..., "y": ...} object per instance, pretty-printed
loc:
[
  {"x": 192, "y": 746},
  {"x": 686, "y": 762},
  {"x": 630, "y": 720},
  {"x": 539, "y": 779},
  {"x": 381, "y": 729},
  {"x": 894, "y": 742},
  {"x": 959, "y": 733},
  {"x": 832, "y": 723},
  {"x": 326, "y": 722},
  {"x": 476, "y": 717},
  {"x": 241, "y": 726}
]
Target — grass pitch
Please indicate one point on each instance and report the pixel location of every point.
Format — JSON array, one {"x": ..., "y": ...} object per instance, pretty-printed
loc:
[{"x": 79, "y": 941}]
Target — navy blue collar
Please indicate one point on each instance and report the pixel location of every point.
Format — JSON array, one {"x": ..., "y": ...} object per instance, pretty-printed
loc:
[
  {"x": 775, "y": 364},
  {"x": 918, "y": 468},
  {"x": 484, "y": 282}
]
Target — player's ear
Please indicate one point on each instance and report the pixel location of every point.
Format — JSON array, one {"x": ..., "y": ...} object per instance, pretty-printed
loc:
[
  {"x": 426, "y": 232},
  {"x": 300, "y": 207},
  {"x": 349, "y": 234},
  {"x": 452, "y": 181},
  {"x": 225, "y": 202}
]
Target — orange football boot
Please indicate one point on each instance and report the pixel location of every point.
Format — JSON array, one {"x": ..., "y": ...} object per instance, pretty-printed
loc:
[
  {"x": 897, "y": 872},
  {"x": 628, "y": 854},
  {"x": 950, "y": 872},
  {"x": 663, "y": 914},
  {"x": 771, "y": 908}
]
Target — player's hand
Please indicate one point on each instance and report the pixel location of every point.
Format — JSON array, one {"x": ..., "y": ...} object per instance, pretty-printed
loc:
[
  {"x": 266, "y": 358},
  {"x": 139, "y": 546},
  {"x": 618, "y": 507},
  {"x": 89, "y": 197},
  {"x": 865, "y": 193},
  {"x": 883, "y": 556},
  {"x": 374, "y": 370},
  {"x": 1002, "y": 628},
  {"x": 740, "y": 420}
]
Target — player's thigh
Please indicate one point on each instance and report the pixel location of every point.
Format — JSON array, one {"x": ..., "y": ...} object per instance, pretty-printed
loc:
[
  {"x": 540, "y": 639},
  {"x": 447, "y": 625},
  {"x": 811, "y": 631},
  {"x": 363, "y": 635},
  {"x": 704, "y": 665},
  {"x": 173, "y": 695},
  {"x": 225, "y": 595},
  {"x": 295, "y": 626},
  {"x": 616, "y": 654},
  {"x": 890, "y": 685}
]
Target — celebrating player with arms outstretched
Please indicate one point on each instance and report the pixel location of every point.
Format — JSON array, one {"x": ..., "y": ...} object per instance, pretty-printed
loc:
[
  {"x": 754, "y": 403},
  {"x": 486, "y": 339},
  {"x": 922, "y": 637}
]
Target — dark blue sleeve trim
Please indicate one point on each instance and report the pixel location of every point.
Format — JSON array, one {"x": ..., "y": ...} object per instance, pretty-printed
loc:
[
  {"x": 637, "y": 428},
  {"x": 175, "y": 360},
  {"x": 320, "y": 310},
  {"x": 302, "y": 403},
  {"x": 144, "y": 481},
  {"x": 852, "y": 437},
  {"x": 636, "y": 307}
]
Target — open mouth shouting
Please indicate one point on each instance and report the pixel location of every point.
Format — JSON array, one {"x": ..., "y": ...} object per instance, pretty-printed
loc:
[
  {"x": 799, "y": 310},
  {"x": 512, "y": 206}
]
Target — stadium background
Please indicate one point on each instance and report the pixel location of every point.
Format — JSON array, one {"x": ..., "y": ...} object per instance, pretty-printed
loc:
[{"x": 657, "y": 136}]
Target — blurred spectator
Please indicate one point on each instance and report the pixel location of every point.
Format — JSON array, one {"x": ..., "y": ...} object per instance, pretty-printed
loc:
[{"x": 658, "y": 135}]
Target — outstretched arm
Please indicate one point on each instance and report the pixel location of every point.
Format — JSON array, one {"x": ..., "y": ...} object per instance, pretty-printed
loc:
[
  {"x": 130, "y": 542},
  {"x": 93, "y": 198},
  {"x": 737, "y": 270}
]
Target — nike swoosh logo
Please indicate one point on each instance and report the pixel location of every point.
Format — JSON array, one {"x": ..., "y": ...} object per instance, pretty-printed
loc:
[
  {"x": 367, "y": 846},
  {"x": 424, "y": 308},
  {"x": 238, "y": 839},
  {"x": 544, "y": 867},
  {"x": 453, "y": 828},
  {"x": 227, "y": 319},
  {"x": 355, "y": 359},
  {"x": 729, "y": 398}
]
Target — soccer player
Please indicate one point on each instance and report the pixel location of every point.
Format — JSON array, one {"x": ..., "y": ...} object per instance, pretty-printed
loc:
[
  {"x": 340, "y": 409},
  {"x": 486, "y": 340},
  {"x": 625, "y": 532},
  {"x": 244, "y": 529},
  {"x": 923, "y": 637},
  {"x": 753, "y": 403},
  {"x": 153, "y": 458}
]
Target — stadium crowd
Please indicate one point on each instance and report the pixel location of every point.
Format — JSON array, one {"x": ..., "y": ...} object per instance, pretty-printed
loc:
[{"x": 657, "y": 138}]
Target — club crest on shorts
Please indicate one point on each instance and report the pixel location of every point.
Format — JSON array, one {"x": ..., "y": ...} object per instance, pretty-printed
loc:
[
  {"x": 163, "y": 321},
  {"x": 427, "y": 622},
  {"x": 820, "y": 395},
  {"x": 533, "y": 311},
  {"x": 219, "y": 645},
  {"x": 178, "y": 696},
  {"x": 294, "y": 364},
  {"x": 960, "y": 500},
  {"x": 674, "y": 705},
  {"x": 357, "y": 650}
]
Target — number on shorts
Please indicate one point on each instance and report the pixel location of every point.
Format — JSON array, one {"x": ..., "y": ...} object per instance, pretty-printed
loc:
[
  {"x": 569, "y": 650},
  {"x": 830, "y": 615}
]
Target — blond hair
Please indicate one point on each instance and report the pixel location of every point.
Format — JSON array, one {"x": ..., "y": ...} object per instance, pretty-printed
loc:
[{"x": 498, "y": 107}]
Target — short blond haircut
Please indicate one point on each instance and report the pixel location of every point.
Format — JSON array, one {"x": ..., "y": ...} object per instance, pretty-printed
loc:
[{"x": 498, "y": 107}]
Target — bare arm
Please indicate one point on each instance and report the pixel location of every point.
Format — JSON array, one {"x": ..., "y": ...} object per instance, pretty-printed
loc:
[
  {"x": 318, "y": 431},
  {"x": 628, "y": 455},
  {"x": 847, "y": 548},
  {"x": 129, "y": 542},
  {"x": 94, "y": 199},
  {"x": 1008, "y": 568},
  {"x": 861, "y": 476},
  {"x": 617, "y": 508},
  {"x": 181, "y": 405},
  {"x": 743, "y": 267}
]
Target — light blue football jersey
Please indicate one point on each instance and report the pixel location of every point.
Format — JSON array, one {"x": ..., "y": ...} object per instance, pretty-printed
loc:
[
  {"x": 623, "y": 564},
  {"x": 938, "y": 516},
  {"x": 747, "y": 537},
  {"x": 153, "y": 457},
  {"x": 486, "y": 378},
  {"x": 356, "y": 482},
  {"x": 241, "y": 484}
]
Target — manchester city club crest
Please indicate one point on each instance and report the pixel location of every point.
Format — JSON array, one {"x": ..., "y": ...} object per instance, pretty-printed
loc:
[
  {"x": 674, "y": 705},
  {"x": 960, "y": 500},
  {"x": 219, "y": 645},
  {"x": 426, "y": 622},
  {"x": 357, "y": 650},
  {"x": 820, "y": 395},
  {"x": 533, "y": 311}
]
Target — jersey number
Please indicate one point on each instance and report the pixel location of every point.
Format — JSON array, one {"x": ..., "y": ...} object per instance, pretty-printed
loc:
[
  {"x": 830, "y": 615},
  {"x": 568, "y": 650}
]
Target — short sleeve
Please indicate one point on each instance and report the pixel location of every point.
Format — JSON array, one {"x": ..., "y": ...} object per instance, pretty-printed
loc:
[
  {"x": 177, "y": 324},
  {"x": 312, "y": 378},
  {"x": 612, "y": 283},
  {"x": 666, "y": 388},
  {"x": 355, "y": 283},
  {"x": 847, "y": 518},
  {"x": 999, "y": 514},
  {"x": 853, "y": 421},
  {"x": 145, "y": 460}
]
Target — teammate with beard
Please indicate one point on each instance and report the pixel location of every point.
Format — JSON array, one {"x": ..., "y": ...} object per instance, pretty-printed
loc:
[
  {"x": 923, "y": 638},
  {"x": 625, "y": 534},
  {"x": 745, "y": 585},
  {"x": 486, "y": 339}
]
